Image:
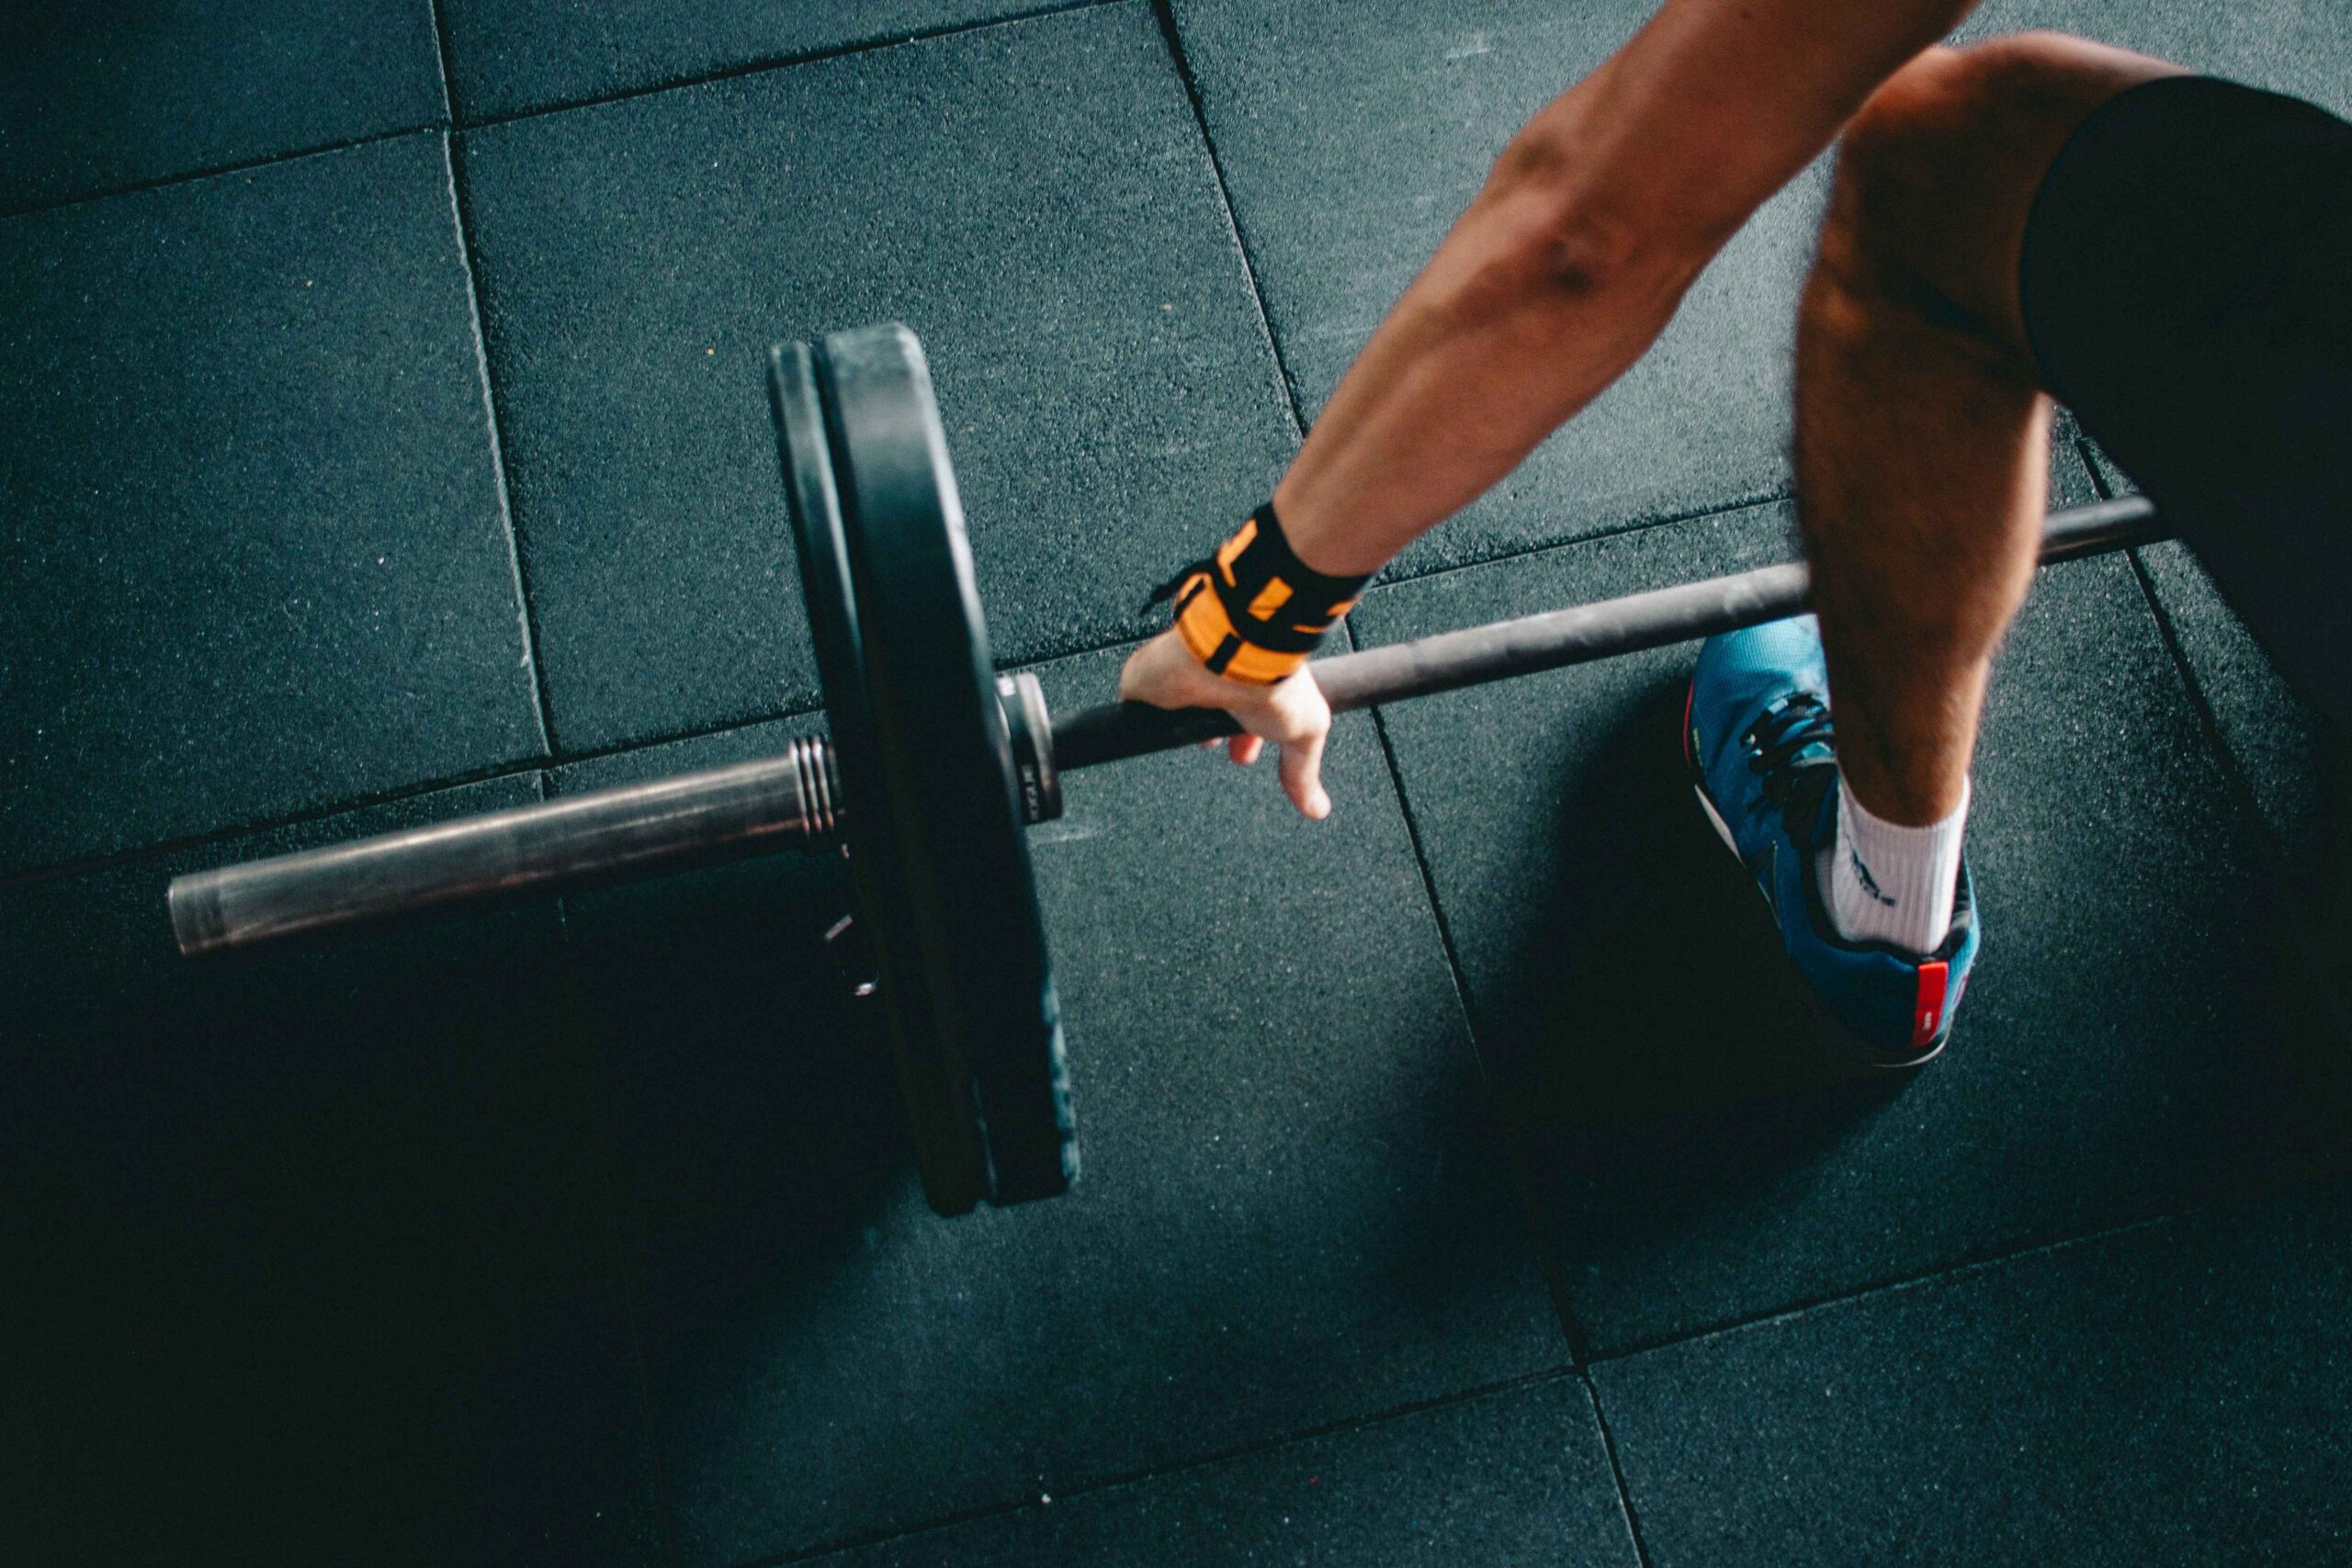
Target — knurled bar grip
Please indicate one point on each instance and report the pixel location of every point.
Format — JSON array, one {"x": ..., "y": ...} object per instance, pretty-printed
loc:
[
  {"x": 554, "y": 846},
  {"x": 1551, "y": 640}
]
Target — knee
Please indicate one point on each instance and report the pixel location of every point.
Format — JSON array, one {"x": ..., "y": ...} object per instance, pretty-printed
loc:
[
  {"x": 1949, "y": 107},
  {"x": 1935, "y": 172},
  {"x": 1943, "y": 101}
]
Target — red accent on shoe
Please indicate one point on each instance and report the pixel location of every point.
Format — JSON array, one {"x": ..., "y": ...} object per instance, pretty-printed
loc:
[
  {"x": 1690, "y": 697},
  {"x": 1928, "y": 1010}
]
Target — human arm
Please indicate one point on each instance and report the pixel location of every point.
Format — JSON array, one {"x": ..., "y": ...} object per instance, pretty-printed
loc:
[{"x": 1559, "y": 275}]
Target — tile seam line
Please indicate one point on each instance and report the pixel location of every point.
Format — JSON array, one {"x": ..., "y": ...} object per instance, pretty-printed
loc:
[
  {"x": 1382, "y": 1417},
  {"x": 1164, "y": 13},
  {"x": 1128, "y": 637},
  {"x": 1616, "y": 1468},
  {"x": 1952, "y": 1269},
  {"x": 452, "y": 124},
  {"x": 1579, "y": 1340},
  {"x": 216, "y": 171},
  {"x": 506, "y": 770},
  {"x": 1700, "y": 513},
  {"x": 2221, "y": 1201},
  {"x": 1571, "y": 1331},
  {"x": 33, "y": 875},
  {"x": 2269, "y": 850},
  {"x": 773, "y": 62},
  {"x": 542, "y": 702},
  {"x": 558, "y": 758},
  {"x": 441, "y": 62},
  {"x": 460, "y": 205}
]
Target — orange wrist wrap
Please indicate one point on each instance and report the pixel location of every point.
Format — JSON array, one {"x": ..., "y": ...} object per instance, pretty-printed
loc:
[{"x": 1253, "y": 611}]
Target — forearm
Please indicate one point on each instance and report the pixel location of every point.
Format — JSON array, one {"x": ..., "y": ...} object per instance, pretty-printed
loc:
[
  {"x": 1504, "y": 336},
  {"x": 1575, "y": 253}
]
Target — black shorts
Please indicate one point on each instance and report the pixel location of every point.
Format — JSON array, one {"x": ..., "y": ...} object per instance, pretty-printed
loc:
[{"x": 2187, "y": 283}]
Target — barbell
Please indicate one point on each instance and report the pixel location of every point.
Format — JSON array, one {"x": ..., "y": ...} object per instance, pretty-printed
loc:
[{"x": 934, "y": 766}]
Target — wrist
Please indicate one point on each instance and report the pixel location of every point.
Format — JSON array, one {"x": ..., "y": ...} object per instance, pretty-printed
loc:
[
  {"x": 1322, "y": 537},
  {"x": 1253, "y": 611}
]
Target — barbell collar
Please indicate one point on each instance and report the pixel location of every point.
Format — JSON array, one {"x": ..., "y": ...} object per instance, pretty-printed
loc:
[{"x": 1552, "y": 640}]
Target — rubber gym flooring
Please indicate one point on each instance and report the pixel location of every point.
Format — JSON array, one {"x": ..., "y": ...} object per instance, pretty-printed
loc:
[{"x": 385, "y": 441}]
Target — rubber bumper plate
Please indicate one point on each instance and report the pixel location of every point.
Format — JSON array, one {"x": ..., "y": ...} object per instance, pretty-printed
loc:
[{"x": 933, "y": 817}]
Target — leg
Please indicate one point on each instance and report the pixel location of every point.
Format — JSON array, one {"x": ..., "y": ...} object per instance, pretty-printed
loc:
[
  {"x": 1922, "y": 428},
  {"x": 2165, "y": 251},
  {"x": 1921, "y": 456}
]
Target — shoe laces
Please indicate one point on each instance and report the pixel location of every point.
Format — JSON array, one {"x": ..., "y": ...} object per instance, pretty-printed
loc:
[{"x": 1788, "y": 738}]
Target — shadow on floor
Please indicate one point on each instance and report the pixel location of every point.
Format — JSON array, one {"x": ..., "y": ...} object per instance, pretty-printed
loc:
[
  {"x": 758, "y": 1097},
  {"x": 311, "y": 1257},
  {"x": 1661, "y": 1066},
  {"x": 1654, "y": 1046}
]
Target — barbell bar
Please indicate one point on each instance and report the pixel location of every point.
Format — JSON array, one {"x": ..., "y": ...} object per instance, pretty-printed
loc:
[
  {"x": 924, "y": 729},
  {"x": 792, "y": 800}
]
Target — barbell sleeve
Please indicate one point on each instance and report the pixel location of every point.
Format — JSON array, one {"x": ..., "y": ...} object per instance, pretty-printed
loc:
[
  {"x": 550, "y": 847},
  {"x": 1550, "y": 640}
]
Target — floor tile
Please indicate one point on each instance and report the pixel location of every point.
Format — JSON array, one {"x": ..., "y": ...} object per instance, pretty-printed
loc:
[
  {"x": 2138, "y": 1032},
  {"x": 1033, "y": 200},
  {"x": 1512, "y": 1478},
  {"x": 2288, "y": 46},
  {"x": 2174, "y": 1394},
  {"x": 511, "y": 56},
  {"x": 1293, "y": 1209},
  {"x": 254, "y": 554},
  {"x": 1352, "y": 136},
  {"x": 96, "y": 98},
  {"x": 314, "y": 1257}
]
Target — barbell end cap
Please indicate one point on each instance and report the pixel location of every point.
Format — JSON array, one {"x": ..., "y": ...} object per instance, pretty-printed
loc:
[{"x": 198, "y": 926}]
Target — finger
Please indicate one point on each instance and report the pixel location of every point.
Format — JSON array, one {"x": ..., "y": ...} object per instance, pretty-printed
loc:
[
  {"x": 1244, "y": 749},
  {"x": 1301, "y": 772}
]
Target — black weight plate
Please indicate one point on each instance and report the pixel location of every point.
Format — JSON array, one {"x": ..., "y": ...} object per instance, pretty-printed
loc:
[
  {"x": 967, "y": 927},
  {"x": 947, "y": 759},
  {"x": 948, "y": 1147}
]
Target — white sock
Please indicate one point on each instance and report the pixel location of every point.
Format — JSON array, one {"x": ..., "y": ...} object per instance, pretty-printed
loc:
[{"x": 1887, "y": 883}]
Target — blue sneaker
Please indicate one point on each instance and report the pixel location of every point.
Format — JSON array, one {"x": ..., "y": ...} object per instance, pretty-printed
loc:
[{"x": 1757, "y": 736}]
